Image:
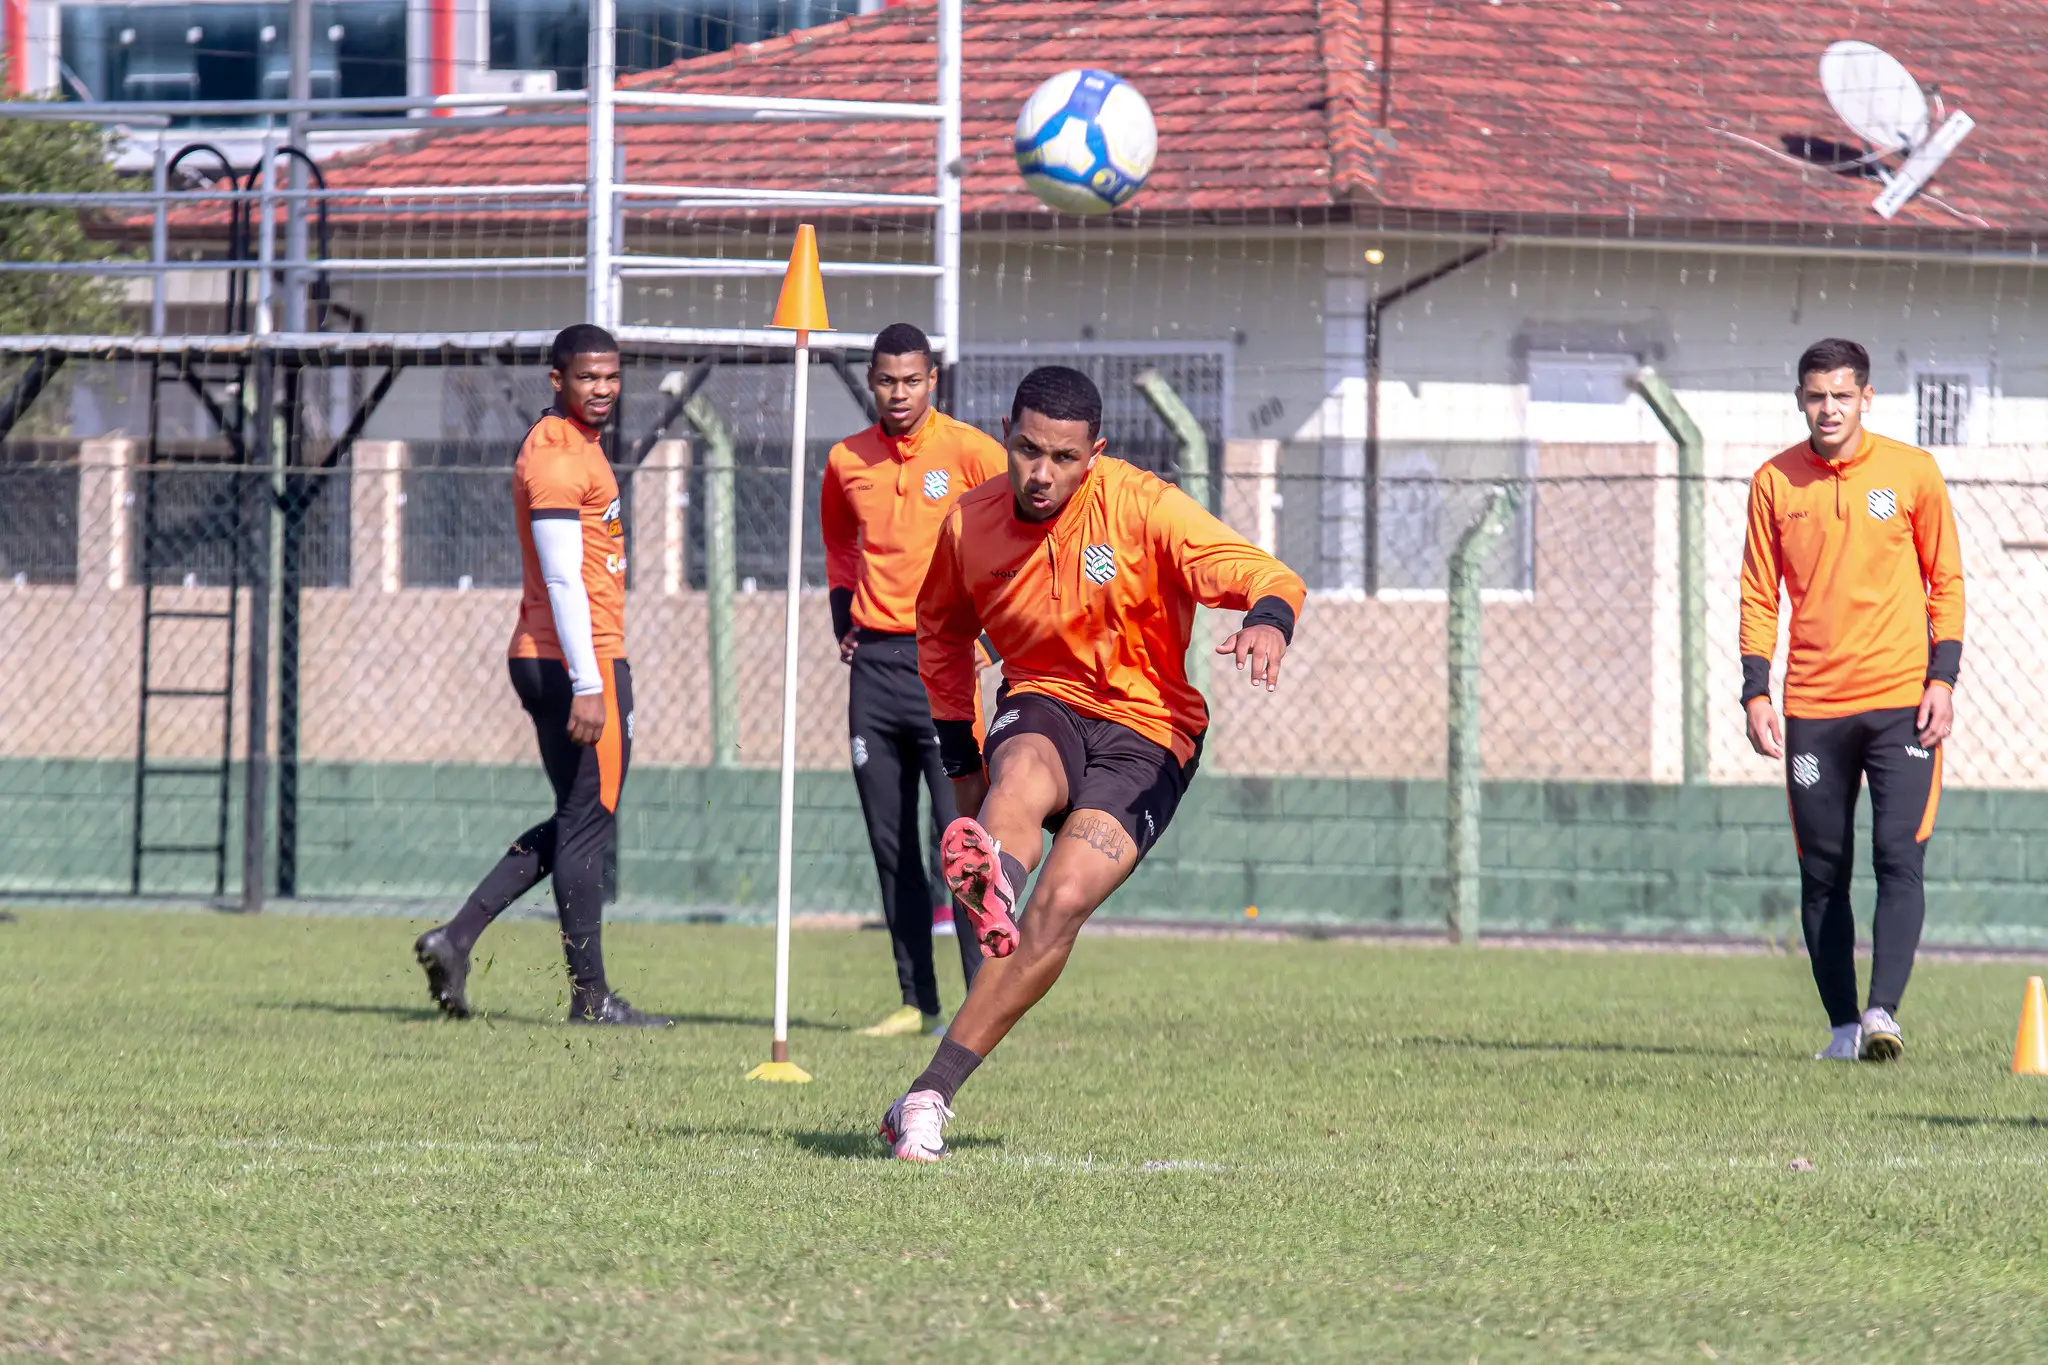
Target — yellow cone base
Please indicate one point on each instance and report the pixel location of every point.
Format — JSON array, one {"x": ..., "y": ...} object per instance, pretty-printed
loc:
[
  {"x": 782, "y": 1073},
  {"x": 2030, "y": 1049}
]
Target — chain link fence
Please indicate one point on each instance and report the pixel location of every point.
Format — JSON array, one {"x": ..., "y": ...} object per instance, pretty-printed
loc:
[{"x": 1609, "y": 788}]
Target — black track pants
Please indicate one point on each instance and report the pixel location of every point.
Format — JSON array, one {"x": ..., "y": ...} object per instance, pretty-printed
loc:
[
  {"x": 574, "y": 844},
  {"x": 895, "y": 750},
  {"x": 1826, "y": 763}
]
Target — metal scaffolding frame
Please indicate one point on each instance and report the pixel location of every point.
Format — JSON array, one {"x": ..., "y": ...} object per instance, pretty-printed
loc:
[
  {"x": 277, "y": 301},
  {"x": 602, "y": 197}
]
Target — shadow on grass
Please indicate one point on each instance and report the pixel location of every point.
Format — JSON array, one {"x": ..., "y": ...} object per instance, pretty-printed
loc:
[
  {"x": 1540, "y": 1045},
  {"x": 419, "y": 1013},
  {"x": 408, "y": 1013},
  {"x": 751, "y": 1021},
  {"x": 839, "y": 1144},
  {"x": 1976, "y": 1120}
]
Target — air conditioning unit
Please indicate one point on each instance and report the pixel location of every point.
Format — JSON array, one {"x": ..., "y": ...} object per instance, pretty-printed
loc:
[{"x": 479, "y": 80}]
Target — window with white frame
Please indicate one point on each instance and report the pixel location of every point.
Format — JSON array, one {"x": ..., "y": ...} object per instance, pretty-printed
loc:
[
  {"x": 1941, "y": 405},
  {"x": 228, "y": 51}
]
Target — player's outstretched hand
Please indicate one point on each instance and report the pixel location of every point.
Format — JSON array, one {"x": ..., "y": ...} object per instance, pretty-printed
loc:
[
  {"x": 1765, "y": 734},
  {"x": 1937, "y": 715},
  {"x": 1263, "y": 647},
  {"x": 586, "y": 718}
]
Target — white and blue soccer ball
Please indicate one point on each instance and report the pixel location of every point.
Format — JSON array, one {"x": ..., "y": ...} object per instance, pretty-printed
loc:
[{"x": 1085, "y": 142}]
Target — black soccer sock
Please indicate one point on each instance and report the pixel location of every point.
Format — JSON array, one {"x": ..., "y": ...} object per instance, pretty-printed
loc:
[
  {"x": 1013, "y": 871},
  {"x": 524, "y": 864},
  {"x": 950, "y": 1067},
  {"x": 584, "y": 950},
  {"x": 579, "y": 902},
  {"x": 579, "y": 905}
]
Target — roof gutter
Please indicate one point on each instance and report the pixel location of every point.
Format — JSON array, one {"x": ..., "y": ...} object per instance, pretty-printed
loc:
[
  {"x": 1508, "y": 239},
  {"x": 1376, "y": 305}
]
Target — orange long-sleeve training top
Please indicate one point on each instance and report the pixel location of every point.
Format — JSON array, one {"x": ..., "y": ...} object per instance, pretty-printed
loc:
[
  {"x": 881, "y": 507},
  {"x": 1868, "y": 553},
  {"x": 562, "y": 472},
  {"x": 1093, "y": 608}
]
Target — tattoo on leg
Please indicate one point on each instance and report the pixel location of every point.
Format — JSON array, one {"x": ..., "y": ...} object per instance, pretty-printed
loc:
[{"x": 1103, "y": 835}]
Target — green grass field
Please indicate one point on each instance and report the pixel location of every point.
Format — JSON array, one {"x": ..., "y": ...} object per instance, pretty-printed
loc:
[{"x": 229, "y": 1139}]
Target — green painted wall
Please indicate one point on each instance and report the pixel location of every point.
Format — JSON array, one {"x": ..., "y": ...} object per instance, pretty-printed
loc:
[{"x": 1620, "y": 857}]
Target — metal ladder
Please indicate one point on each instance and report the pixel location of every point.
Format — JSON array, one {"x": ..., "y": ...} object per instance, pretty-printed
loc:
[{"x": 159, "y": 781}]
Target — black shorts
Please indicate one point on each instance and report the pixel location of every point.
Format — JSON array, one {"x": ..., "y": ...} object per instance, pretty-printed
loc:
[{"x": 1109, "y": 767}]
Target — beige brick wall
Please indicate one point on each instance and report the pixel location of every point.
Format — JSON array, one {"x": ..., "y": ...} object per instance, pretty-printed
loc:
[
  {"x": 1575, "y": 685},
  {"x": 390, "y": 674}
]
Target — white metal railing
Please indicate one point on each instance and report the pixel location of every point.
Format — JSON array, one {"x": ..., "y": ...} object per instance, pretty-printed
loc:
[
  {"x": 129, "y": 111},
  {"x": 603, "y": 197},
  {"x": 759, "y": 106},
  {"x": 369, "y": 344}
]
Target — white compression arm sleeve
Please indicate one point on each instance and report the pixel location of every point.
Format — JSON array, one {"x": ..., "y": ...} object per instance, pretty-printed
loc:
[{"x": 559, "y": 543}]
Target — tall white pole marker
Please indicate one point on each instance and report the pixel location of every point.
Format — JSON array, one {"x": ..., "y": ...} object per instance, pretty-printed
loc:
[{"x": 800, "y": 309}]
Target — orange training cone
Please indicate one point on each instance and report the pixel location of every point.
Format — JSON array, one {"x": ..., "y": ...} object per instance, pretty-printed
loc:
[
  {"x": 2030, "y": 1051},
  {"x": 801, "y": 308}
]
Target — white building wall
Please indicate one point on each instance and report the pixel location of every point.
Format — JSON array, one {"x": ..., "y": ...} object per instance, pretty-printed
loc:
[
  {"x": 1259, "y": 302},
  {"x": 1724, "y": 331}
]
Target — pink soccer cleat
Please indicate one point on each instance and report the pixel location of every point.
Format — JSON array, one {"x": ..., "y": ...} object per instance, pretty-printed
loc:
[
  {"x": 915, "y": 1126},
  {"x": 967, "y": 857}
]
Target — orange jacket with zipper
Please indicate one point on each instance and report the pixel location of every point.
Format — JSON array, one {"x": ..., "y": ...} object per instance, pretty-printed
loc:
[
  {"x": 1093, "y": 608},
  {"x": 881, "y": 506},
  {"x": 1867, "y": 550}
]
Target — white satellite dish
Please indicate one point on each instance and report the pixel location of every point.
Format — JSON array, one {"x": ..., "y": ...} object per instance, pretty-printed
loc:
[
  {"x": 1878, "y": 98},
  {"x": 1875, "y": 95}
]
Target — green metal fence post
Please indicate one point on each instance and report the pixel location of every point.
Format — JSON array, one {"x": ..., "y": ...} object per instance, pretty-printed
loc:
[
  {"x": 1463, "y": 767},
  {"x": 1692, "y": 568},
  {"x": 1195, "y": 482},
  {"x": 720, "y": 577}
]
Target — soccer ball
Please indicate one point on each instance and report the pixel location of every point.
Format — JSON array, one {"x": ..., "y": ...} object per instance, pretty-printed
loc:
[{"x": 1085, "y": 142}]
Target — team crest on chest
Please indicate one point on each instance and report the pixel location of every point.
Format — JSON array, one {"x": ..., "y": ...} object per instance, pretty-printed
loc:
[
  {"x": 1883, "y": 502},
  {"x": 936, "y": 482},
  {"x": 1099, "y": 563}
]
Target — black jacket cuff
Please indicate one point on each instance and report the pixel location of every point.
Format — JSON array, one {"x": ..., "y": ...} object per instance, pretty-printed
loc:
[
  {"x": 842, "y": 612},
  {"x": 1756, "y": 678},
  {"x": 1272, "y": 611},
  {"x": 959, "y": 755},
  {"x": 1945, "y": 661}
]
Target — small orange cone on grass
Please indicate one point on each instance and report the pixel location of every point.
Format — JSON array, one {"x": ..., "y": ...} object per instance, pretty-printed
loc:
[{"x": 2030, "y": 1050}]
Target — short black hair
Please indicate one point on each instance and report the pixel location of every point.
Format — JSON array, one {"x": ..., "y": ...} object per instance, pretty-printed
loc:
[
  {"x": 900, "y": 338},
  {"x": 1833, "y": 354},
  {"x": 583, "y": 338},
  {"x": 1063, "y": 394}
]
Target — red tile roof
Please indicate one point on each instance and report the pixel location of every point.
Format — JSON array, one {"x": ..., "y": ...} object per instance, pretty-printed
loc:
[
  {"x": 1624, "y": 109},
  {"x": 1583, "y": 115},
  {"x": 1239, "y": 92}
]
